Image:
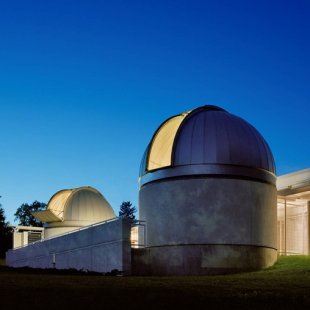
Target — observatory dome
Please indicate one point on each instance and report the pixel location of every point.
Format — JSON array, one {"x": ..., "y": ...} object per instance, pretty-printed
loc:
[
  {"x": 73, "y": 208},
  {"x": 207, "y": 140},
  {"x": 208, "y": 196}
]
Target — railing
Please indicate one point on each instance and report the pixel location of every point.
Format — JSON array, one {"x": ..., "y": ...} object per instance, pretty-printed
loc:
[
  {"x": 69, "y": 232},
  {"x": 291, "y": 253},
  {"x": 82, "y": 228},
  {"x": 137, "y": 236}
]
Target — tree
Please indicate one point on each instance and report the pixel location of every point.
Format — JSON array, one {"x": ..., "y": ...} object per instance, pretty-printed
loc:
[
  {"x": 24, "y": 214},
  {"x": 5, "y": 234},
  {"x": 127, "y": 210}
]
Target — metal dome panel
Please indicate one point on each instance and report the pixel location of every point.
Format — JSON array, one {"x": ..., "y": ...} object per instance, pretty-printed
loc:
[
  {"x": 84, "y": 204},
  {"x": 205, "y": 136},
  {"x": 217, "y": 137},
  {"x": 57, "y": 202},
  {"x": 46, "y": 216},
  {"x": 87, "y": 204}
]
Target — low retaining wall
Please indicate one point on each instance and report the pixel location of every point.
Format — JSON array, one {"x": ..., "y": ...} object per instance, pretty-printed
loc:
[{"x": 102, "y": 248}]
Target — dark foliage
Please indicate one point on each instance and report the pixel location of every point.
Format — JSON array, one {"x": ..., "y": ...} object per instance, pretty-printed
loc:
[
  {"x": 127, "y": 210},
  {"x": 24, "y": 214},
  {"x": 69, "y": 271},
  {"x": 5, "y": 234}
]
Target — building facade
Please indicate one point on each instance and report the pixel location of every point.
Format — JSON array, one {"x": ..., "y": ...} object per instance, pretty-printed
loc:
[{"x": 293, "y": 219}]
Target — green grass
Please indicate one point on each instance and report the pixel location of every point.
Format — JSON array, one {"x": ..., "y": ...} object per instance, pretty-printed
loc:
[{"x": 286, "y": 285}]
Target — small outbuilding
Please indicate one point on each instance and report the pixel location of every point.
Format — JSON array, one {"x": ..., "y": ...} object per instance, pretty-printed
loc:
[
  {"x": 70, "y": 209},
  {"x": 81, "y": 231}
]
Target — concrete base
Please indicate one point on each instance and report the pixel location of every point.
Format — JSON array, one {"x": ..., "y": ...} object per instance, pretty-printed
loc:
[
  {"x": 50, "y": 232},
  {"x": 207, "y": 225},
  {"x": 201, "y": 259}
]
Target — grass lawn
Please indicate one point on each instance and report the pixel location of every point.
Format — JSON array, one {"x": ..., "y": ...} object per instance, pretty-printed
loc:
[{"x": 286, "y": 285}]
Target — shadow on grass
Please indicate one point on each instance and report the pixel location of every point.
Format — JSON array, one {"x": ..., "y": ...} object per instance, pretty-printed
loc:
[{"x": 47, "y": 271}]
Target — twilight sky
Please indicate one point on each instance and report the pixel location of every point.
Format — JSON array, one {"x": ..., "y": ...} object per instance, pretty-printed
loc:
[{"x": 84, "y": 85}]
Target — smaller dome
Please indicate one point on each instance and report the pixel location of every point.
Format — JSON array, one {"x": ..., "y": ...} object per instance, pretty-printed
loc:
[
  {"x": 87, "y": 204},
  {"x": 83, "y": 206}
]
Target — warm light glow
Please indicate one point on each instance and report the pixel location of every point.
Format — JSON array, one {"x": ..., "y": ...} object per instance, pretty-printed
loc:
[
  {"x": 134, "y": 236},
  {"x": 293, "y": 227},
  {"x": 57, "y": 203},
  {"x": 161, "y": 149},
  {"x": 137, "y": 235}
]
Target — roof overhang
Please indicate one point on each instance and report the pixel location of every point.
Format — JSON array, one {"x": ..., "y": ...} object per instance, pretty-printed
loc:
[
  {"x": 294, "y": 185},
  {"x": 47, "y": 216}
]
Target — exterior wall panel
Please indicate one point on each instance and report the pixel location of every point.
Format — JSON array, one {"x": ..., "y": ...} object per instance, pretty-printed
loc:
[
  {"x": 100, "y": 248},
  {"x": 208, "y": 222}
]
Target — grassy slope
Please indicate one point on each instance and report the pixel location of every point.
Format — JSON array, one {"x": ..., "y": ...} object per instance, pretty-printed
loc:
[{"x": 285, "y": 286}]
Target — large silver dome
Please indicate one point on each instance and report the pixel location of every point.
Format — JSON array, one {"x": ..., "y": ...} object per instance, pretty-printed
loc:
[{"x": 207, "y": 140}]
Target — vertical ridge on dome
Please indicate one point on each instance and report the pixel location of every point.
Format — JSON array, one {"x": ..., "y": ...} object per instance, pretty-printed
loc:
[
  {"x": 197, "y": 140},
  {"x": 222, "y": 134},
  {"x": 160, "y": 151}
]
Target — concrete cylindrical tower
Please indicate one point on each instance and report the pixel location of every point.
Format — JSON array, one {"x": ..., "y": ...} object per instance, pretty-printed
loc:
[{"x": 208, "y": 196}]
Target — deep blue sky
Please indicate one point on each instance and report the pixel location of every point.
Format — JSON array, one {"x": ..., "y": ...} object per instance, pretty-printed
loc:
[{"x": 84, "y": 85}]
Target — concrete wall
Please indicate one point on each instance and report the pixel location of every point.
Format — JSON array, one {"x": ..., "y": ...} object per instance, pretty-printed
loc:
[
  {"x": 18, "y": 239},
  {"x": 207, "y": 222},
  {"x": 54, "y": 231},
  {"x": 100, "y": 248}
]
